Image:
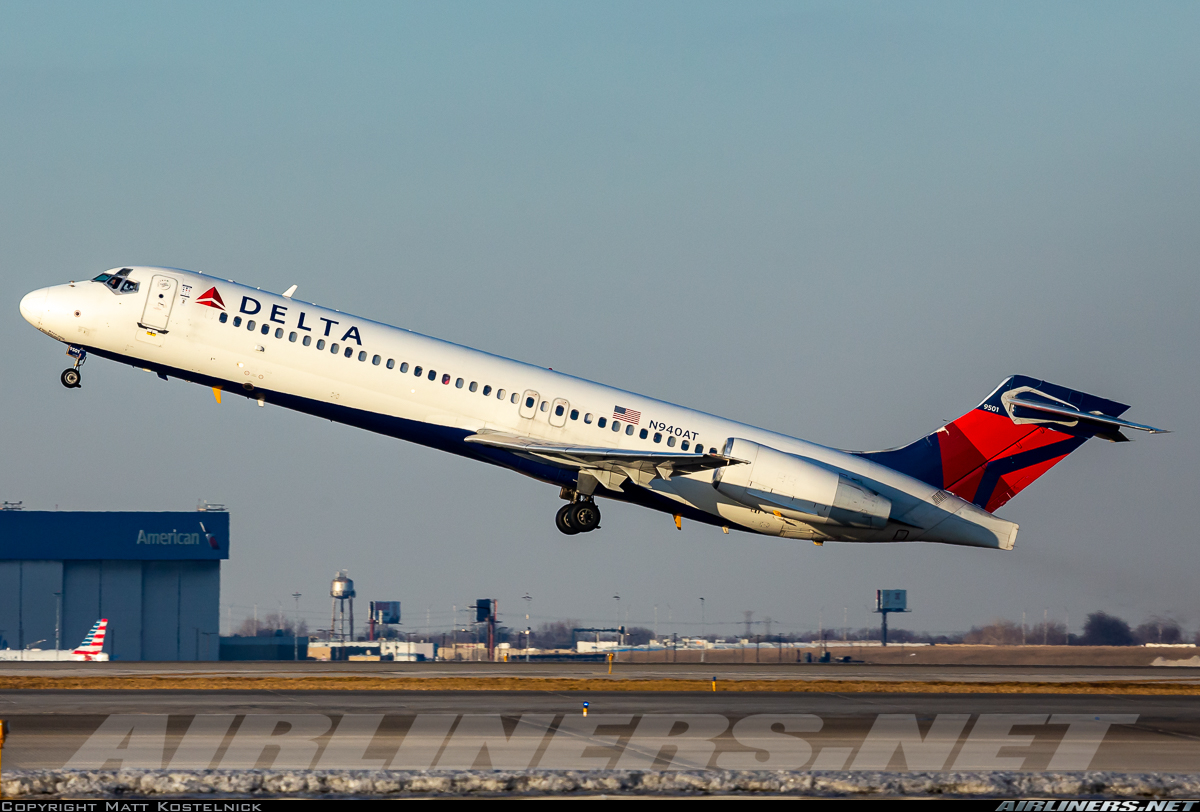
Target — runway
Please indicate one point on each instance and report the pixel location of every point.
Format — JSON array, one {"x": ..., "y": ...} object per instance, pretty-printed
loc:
[
  {"x": 620, "y": 671},
  {"x": 434, "y": 730}
]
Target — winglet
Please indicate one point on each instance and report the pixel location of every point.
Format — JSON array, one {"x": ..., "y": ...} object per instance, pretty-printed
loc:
[
  {"x": 287, "y": 294},
  {"x": 217, "y": 393}
]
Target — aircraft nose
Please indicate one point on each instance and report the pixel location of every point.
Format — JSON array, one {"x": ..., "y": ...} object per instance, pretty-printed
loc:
[{"x": 34, "y": 305}]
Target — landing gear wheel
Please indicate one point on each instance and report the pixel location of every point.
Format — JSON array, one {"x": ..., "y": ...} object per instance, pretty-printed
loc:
[
  {"x": 70, "y": 378},
  {"x": 562, "y": 522},
  {"x": 584, "y": 516}
]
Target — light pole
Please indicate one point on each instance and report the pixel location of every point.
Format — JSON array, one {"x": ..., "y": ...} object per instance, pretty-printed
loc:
[
  {"x": 703, "y": 631},
  {"x": 528, "y": 629},
  {"x": 617, "y": 598},
  {"x": 57, "y": 622},
  {"x": 296, "y": 629}
]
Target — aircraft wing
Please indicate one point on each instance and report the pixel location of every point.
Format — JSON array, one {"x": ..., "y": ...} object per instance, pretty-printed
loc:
[{"x": 610, "y": 467}]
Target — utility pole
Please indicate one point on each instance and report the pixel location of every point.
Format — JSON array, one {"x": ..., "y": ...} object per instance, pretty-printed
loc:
[
  {"x": 57, "y": 622},
  {"x": 703, "y": 631}
]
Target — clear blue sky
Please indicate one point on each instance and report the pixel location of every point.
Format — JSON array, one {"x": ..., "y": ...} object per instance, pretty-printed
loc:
[{"x": 847, "y": 222}]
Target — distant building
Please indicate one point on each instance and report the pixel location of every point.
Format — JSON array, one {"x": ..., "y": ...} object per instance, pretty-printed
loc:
[{"x": 155, "y": 576}]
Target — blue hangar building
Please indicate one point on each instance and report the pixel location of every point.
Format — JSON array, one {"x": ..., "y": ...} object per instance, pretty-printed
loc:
[{"x": 155, "y": 576}]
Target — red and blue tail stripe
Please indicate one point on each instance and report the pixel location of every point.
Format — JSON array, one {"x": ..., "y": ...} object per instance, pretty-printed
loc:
[{"x": 993, "y": 452}]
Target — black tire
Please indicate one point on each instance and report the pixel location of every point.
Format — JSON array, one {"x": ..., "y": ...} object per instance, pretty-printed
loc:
[
  {"x": 70, "y": 378},
  {"x": 563, "y": 523},
  {"x": 584, "y": 516}
]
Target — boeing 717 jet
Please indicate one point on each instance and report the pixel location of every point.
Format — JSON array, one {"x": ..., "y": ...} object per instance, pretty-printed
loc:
[{"x": 587, "y": 439}]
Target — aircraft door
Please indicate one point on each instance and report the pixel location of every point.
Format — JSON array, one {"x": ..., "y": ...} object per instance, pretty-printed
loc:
[
  {"x": 529, "y": 404},
  {"x": 558, "y": 412},
  {"x": 159, "y": 301}
]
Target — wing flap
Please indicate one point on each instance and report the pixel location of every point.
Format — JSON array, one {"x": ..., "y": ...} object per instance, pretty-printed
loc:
[{"x": 610, "y": 467}]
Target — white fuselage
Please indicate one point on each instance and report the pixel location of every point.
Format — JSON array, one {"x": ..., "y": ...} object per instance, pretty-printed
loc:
[{"x": 163, "y": 327}]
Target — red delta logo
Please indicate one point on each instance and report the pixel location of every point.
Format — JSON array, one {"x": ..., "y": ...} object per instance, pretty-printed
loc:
[{"x": 211, "y": 298}]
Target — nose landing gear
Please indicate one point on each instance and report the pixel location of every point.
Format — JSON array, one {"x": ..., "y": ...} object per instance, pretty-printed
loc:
[
  {"x": 581, "y": 516},
  {"x": 71, "y": 377}
]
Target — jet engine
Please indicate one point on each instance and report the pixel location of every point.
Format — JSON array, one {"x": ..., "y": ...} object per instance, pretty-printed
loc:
[{"x": 797, "y": 488}]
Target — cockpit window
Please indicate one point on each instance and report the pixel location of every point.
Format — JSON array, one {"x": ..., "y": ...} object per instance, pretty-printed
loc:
[{"x": 119, "y": 282}]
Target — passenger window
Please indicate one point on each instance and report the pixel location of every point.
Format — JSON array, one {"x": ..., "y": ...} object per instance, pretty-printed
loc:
[
  {"x": 237, "y": 321},
  {"x": 404, "y": 366},
  {"x": 487, "y": 390},
  {"x": 432, "y": 375},
  {"x": 529, "y": 403},
  {"x": 417, "y": 371},
  {"x": 375, "y": 360},
  {"x": 629, "y": 429},
  {"x": 543, "y": 406},
  {"x": 445, "y": 379},
  {"x": 350, "y": 352},
  {"x": 307, "y": 340},
  {"x": 458, "y": 384},
  {"x": 266, "y": 328},
  {"x": 658, "y": 437},
  {"x": 587, "y": 418},
  {"x": 279, "y": 332},
  {"x": 474, "y": 387},
  {"x": 292, "y": 337},
  {"x": 362, "y": 355},
  {"x": 333, "y": 348},
  {"x": 616, "y": 426},
  {"x": 500, "y": 394},
  {"x": 643, "y": 434},
  {"x": 224, "y": 318},
  {"x": 514, "y": 397},
  {"x": 320, "y": 343},
  {"x": 712, "y": 451},
  {"x": 574, "y": 414},
  {"x": 391, "y": 364},
  {"x": 250, "y": 325},
  {"x": 684, "y": 445},
  {"x": 601, "y": 422},
  {"x": 558, "y": 410},
  {"x": 671, "y": 441}
]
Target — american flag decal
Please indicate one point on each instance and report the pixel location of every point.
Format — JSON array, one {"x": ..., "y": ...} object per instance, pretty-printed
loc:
[{"x": 628, "y": 415}]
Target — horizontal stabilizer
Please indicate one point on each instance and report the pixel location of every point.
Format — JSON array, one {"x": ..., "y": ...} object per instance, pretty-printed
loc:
[{"x": 1027, "y": 407}]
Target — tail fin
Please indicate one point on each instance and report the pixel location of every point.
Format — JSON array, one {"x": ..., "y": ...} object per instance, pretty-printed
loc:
[
  {"x": 1019, "y": 432},
  {"x": 94, "y": 641}
]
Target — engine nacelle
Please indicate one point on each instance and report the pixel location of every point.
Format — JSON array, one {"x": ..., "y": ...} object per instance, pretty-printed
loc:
[{"x": 796, "y": 488}]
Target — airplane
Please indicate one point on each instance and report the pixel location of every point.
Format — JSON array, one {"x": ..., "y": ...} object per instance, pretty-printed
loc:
[
  {"x": 587, "y": 439},
  {"x": 90, "y": 650}
]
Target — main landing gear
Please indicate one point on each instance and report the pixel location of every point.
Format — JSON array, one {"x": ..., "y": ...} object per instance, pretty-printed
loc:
[
  {"x": 71, "y": 376},
  {"x": 580, "y": 516}
]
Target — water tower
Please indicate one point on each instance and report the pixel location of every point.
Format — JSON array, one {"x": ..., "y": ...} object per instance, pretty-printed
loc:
[{"x": 341, "y": 590}]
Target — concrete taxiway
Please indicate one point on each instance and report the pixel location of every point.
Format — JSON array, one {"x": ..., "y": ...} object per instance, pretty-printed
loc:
[{"x": 620, "y": 671}]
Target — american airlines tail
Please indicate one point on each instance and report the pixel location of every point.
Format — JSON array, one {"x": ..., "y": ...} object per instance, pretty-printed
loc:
[
  {"x": 92, "y": 645},
  {"x": 90, "y": 650},
  {"x": 1019, "y": 432}
]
